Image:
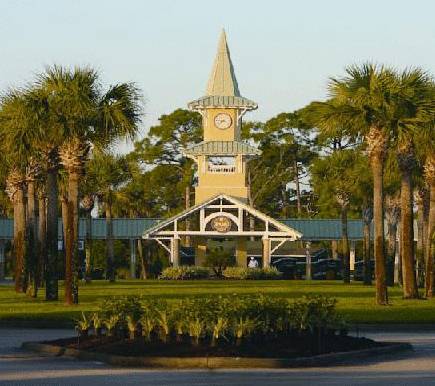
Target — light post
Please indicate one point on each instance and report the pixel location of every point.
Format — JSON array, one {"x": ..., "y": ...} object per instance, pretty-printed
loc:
[{"x": 308, "y": 275}]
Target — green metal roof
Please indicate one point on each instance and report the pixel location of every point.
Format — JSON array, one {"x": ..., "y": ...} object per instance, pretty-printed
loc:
[
  {"x": 222, "y": 101},
  {"x": 222, "y": 148},
  {"x": 133, "y": 228},
  {"x": 325, "y": 229}
]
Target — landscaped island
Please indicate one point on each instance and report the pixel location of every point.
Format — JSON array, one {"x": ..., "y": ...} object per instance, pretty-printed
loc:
[{"x": 231, "y": 326}]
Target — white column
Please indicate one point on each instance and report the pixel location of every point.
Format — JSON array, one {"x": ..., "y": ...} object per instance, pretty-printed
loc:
[
  {"x": 266, "y": 252},
  {"x": 133, "y": 258},
  {"x": 352, "y": 255},
  {"x": 175, "y": 252}
]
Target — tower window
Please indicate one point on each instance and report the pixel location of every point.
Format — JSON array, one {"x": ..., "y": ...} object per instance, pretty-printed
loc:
[{"x": 221, "y": 164}]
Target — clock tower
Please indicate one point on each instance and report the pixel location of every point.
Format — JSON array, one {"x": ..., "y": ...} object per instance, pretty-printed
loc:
[{"x": 222, "y": 156}]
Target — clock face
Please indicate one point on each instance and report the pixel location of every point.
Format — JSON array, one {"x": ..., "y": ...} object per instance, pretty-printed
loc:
[{"x": 222, "y": 121}]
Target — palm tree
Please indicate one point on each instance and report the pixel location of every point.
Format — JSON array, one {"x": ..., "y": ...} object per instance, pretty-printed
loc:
[
  {"x": 413, "y": 108},
  {"x": 85, "y": 116},
  {"x": 429, "y": 170},
  {"x": 18, "y": 135},
  {"x": 359, "y": 106},
  {"x": 106, "y": 173}
]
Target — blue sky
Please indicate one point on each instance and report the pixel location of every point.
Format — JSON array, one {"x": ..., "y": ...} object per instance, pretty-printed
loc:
[{"x": 283, "y": 51}]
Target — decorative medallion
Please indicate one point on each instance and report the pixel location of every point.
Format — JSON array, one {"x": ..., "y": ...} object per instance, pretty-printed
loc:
[{"x": 221, "y": 224}]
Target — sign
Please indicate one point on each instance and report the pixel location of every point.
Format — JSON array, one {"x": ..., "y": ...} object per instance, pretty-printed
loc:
[{"x": 221, "y": 224}]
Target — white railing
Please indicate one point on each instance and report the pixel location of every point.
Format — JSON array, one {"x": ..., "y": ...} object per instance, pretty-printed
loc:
[{"x": 221, "y": 168}]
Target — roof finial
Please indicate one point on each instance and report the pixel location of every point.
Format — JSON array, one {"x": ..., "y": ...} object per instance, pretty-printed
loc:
[{"x": 222, "y": 81}]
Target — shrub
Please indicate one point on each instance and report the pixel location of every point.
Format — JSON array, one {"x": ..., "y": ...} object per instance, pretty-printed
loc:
[
  {"x": 219, "y": 259},
  {"x": 238, "y": 273},
  {"x": 241, "y": 273},
  {"x": 185, "y": 273},
  {"x": 123, "y": 273}
]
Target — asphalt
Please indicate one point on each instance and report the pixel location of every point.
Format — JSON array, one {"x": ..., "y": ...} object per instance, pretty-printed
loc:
[{"x": 18, "y": 367}]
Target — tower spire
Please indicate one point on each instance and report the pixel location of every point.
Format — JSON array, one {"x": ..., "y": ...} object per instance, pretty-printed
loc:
[{"x": 222, "y": 81}]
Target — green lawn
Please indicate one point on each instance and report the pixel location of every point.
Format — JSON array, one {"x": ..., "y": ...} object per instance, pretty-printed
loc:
[{"x": 355, "y": 301}]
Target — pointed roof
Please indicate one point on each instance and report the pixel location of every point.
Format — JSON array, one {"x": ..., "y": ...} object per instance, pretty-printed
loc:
[
  {"x": 222, "y": 81},
  {"x": 222, "y": 88}
]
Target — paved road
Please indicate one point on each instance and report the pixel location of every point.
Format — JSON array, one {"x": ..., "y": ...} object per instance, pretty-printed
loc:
[{"x": 22, "y": 368}]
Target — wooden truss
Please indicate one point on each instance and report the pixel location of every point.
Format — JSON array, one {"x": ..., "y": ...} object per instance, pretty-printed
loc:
[{"x": 221, "y": 216}]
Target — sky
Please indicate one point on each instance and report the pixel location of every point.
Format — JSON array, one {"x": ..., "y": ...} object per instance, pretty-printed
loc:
[{"x": 283, "y": 51}]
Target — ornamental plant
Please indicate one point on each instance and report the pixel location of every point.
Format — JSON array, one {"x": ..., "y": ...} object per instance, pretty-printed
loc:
[
  {"x": 83, "y": 325},
  {"x": 215, "y": 320}
]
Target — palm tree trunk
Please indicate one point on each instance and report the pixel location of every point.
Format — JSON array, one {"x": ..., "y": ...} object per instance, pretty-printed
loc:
[
  {"x": 345, "y": 245},
  {"x": 422, "y": 219},
  {"x": 88, "y": 247},
  {"x": 19, "y": 239},
  {"x": 410, "y": 290},
  {"x": 67, "y": 234},
  {"x": 187, "y": 205},
  {"x": 73, "y": 222},
  {"x": 110, "y": 262},
  {"x": 429, "y": 285},
  {"x": 51, "y": 274},
  {"x": 377, "y": 166},
  {"x": 42, "y": 237},
  {"x": 367, "y": 272},
  {"x": 31, "y": 239}
]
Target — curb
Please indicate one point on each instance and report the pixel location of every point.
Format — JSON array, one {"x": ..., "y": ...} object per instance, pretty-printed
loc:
[{"x": 332, "y": 359}]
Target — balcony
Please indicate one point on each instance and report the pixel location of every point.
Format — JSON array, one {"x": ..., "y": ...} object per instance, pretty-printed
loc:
[{"x": 221, "y": 168}]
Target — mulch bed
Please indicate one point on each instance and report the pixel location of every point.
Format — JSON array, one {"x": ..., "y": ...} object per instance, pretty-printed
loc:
[{"x": 284, "y": 347}]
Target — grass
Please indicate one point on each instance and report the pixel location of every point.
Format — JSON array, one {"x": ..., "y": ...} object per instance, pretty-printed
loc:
[{"x": 355, "y": 301}]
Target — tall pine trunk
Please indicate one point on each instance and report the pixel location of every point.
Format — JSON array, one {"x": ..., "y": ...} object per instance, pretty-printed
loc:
[
  {"x": 187, "y": 206},
  {"x": 410, "y": 290},
  {"x": 298, "y": 188},
  {"x": 110, "y": 252},
  {"x": 42, "y": 237},
  {"x": 51, "y": 267},
  {"x": 142, "y": 258},
  {"x": 377, "y": 166}
]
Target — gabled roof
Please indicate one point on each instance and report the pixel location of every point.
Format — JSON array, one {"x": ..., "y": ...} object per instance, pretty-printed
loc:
[
  {"x": 222, "y": 148},
  {"x": 222, "y": 79},
  {"x": 290, "y": 232}
]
